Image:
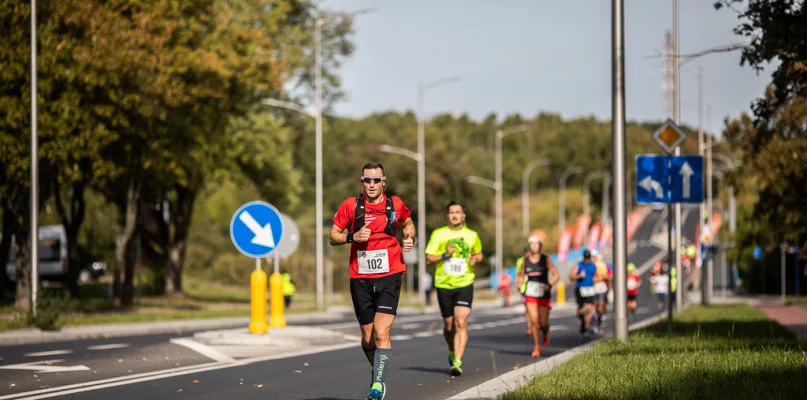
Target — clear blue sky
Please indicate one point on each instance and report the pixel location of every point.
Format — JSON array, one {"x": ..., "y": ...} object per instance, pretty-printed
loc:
[{"x": 529, "y": 56}]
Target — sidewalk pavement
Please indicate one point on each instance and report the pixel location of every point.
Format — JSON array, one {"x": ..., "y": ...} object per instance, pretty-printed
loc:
[{"x": 793, "y": 318}]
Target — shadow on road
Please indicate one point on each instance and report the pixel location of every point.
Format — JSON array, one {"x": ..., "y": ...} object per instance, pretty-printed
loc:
[{"x": 441, "y": 371}]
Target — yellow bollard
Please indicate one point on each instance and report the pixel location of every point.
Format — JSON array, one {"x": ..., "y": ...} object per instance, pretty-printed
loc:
[
  {"x": 561, "y": 294},
  {"x": 257, "y": 283},
  {"x": 276, "y": 306}
]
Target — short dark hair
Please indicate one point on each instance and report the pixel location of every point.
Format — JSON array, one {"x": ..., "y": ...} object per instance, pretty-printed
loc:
[
  {"x": 373, "y": 165},
  {"x": 454, "y": 203}
]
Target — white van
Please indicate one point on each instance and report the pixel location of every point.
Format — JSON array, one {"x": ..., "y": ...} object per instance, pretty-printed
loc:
[{"x": 52, "y": 254}]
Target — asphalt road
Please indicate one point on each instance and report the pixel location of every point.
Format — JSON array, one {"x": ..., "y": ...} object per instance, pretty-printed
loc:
[{"x": 154, "y": 367}]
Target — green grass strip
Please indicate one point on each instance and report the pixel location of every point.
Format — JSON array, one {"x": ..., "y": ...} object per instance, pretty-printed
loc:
[{"x": 717, "y": 352}]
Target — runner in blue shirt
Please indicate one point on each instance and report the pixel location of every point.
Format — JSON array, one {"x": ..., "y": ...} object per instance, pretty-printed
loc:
[{"x": 583, "y": 274}]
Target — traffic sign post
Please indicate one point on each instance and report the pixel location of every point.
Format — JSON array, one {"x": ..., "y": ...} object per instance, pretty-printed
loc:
[
  {"x": 256, "y": 230},
  {"x": 656, "y": 183}
]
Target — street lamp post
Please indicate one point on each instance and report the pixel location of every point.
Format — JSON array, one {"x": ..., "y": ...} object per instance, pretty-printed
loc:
[
  {"x": 414, "y": 156},
  {"x": 618, "y": 168},
  {"x": 34, "y": 227},
  {"x": 587, "y": 193},
  {"x": 525, "y": 191},
  {"x": 587, "y": 188},
  {"x": 576, "y": 169},
  {"x": 500, "y": 134},
  {"x": 318, "y": 215},
  {"x": 421, "y": 239}
]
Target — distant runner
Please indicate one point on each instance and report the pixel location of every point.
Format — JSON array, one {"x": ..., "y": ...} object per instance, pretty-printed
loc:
[
  {"x": 455, "y": 249},
  {"x": 634, "y": 281},
  {"x": 538, "y": 291},
  {"x": 583, "y": 274}
]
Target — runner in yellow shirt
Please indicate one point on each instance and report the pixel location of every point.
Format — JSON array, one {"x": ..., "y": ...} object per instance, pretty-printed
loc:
[{"x": 455, "y": 249}]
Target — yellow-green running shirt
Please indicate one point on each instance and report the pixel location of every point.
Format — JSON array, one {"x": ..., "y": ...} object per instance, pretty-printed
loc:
[{"x": 456, "y": 272}]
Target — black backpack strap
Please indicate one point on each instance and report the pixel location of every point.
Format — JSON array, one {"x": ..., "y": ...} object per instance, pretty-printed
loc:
[
  {"x": 392, "y": 219},
  {"x": 358, "y": 214}
]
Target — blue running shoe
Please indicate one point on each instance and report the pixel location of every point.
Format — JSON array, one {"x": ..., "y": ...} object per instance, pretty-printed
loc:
[{"x": 377, "y": 392}]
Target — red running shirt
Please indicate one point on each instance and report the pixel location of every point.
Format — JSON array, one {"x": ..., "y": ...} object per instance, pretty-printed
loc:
[{"x": 376, "y": 215}]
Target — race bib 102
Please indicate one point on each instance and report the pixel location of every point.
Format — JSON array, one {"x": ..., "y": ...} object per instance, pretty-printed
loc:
[
  {"x": 373, "y": 261},
  {"x": 455, "y": 266}
]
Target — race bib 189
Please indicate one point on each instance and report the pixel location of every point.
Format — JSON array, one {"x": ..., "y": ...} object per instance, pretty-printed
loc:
[
  {"x": 534, "y": 289},
  {"x": 601, "y": 287},
  {"x": 373, "y": 261},
  {"x": 455, "y": 266},
  {"x": 588, "y": 291}
]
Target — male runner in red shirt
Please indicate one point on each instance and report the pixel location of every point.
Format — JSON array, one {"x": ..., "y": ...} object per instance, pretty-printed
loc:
[{"x": 369, "y": 222}]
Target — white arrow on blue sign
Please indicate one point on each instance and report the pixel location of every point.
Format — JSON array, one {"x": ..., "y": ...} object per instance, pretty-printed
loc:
[
  {"x": 256, "y": 229},
  {"x": 651, "y": 179},
  {"x": 686, "y": 179},
  {"x": 669, "y": 179}
]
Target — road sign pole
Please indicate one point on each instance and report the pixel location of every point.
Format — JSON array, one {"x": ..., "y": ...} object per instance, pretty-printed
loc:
[{"x": 669, "y": 268}]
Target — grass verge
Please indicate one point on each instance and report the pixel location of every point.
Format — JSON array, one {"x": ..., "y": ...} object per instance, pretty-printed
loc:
[
  {"x": 800, "y": 301},
  {"x": 721, "y": 351}
]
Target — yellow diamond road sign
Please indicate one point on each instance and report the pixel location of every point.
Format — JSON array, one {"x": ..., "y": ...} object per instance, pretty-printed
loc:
[{"x": 669, "y": 136}]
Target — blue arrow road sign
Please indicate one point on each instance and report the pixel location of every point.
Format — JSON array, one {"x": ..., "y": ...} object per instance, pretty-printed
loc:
[
  {"x": 686, "y": 179},
  {"x": 256, "y": 229},
  {"x": 651, "y": 179}
]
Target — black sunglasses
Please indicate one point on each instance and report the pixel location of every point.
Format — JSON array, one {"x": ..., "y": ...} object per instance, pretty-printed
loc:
[{"x": 367, "y": 179}]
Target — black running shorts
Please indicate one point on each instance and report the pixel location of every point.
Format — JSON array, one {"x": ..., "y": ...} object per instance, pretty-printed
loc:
[
  {"x": 372, "y": 295},
  {"x": 450, "y": 298},
  {"x": 583, "y": 300}
]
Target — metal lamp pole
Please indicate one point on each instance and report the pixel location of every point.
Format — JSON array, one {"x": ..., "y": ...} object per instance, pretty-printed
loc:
[
  {"x": 618, "y": 170},
  {"x": 500, "y": 134},
  {"x": 525, "y": 191},
  {"x": 421, "y": 194},
  {"x": 576, "y": 169},
  {"x": 421, "y": 239},
  {"x": 320, "y": 245},
  {"x": 34, "y": 168}
]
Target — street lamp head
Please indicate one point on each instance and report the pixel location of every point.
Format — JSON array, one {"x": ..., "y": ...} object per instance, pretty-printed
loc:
[
  {"x": 424, "y": 86},
  {"x": 513, "y": 129}
]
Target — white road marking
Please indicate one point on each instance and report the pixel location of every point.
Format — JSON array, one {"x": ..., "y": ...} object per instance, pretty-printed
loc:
[
  {"x": 401, "y": 337},
  {"x": 204, "y": 350},
  {"x": 354, "y": 338},
  {"x": 109, "y": 346},
  {"x": 48, "y": 353},
  {"x": 103, "y": 381},
  {"x": 95, "y": 385},
  {"x": 410, "y": 326},
  {"x": 45, "y": 367}
]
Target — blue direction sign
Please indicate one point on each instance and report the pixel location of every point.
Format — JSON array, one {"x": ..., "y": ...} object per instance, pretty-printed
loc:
[
  {"x": 256, "y": 229},
  {"x": 651, "y": 179},
  {"x": 669, "y": 179},
  {"x": 686, "y": 179}
]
